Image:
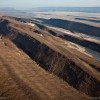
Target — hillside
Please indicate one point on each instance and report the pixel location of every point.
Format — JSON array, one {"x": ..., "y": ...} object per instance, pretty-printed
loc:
[{"x": 36, "y": 62}]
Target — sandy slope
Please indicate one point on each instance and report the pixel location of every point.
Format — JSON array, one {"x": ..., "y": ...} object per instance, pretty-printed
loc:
[{"x": 22, "y": 79}]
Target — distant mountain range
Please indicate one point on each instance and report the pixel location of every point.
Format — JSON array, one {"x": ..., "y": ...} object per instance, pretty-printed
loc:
[
  {"x": 50, "y": 9},
  {"x": 69, "y": 9},
  {"x": 7, "y": 9}
]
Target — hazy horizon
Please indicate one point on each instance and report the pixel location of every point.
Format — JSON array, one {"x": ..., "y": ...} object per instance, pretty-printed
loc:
[{"x": 24, "y": 5}]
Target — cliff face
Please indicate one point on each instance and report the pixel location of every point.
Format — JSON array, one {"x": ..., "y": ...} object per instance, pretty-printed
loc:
[
  {"x": 58, "y": 64},
  {"x": 77, "y": 40},
  {"x": 22, "y": 79},
  {"x": 3, "y": 26},
  {"x": 55, "y": 62},
  {"x": 85, "y": 43},
  {"x": 75, "y": 26}
]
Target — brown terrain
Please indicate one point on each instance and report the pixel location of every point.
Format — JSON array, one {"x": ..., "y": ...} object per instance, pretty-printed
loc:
[{"x": 39, "y": 63}]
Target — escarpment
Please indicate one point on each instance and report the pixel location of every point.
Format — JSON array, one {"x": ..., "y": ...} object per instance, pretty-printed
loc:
[
  {"x": 22, "y": 79},
  {"x": 75, "y": 26},
  {"x": 74, "y": 39},
  {"x": 67, "y": 66},
  {"x": 58, "y": 64},
  {"x": 85, "y": 43},
  {"x": 3, "y": 26}
]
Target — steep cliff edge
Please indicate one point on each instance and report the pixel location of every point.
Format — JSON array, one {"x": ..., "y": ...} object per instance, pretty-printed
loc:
[
  {"x": 75, "y": 26},
  {"x": 56, "y": 59},
  {"x": 58, "y": 64},
  {"x": 22, "y": 79}
]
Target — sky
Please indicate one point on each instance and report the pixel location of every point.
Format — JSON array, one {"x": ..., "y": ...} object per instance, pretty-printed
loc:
[{"x": 28, "y": 4}]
